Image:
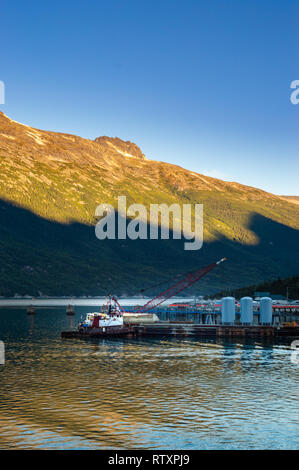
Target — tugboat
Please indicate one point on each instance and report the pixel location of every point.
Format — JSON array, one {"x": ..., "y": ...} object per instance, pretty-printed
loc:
[{"x": 108, "y": 322}]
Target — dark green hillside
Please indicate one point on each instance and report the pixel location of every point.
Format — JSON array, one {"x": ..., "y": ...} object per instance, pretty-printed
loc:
[
  {"x": 38, "y": 255},
  {"x": 284, "y": 287}
]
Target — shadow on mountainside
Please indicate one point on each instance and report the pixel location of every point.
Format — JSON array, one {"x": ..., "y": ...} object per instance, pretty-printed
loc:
[{"x": 38, "y": 255}]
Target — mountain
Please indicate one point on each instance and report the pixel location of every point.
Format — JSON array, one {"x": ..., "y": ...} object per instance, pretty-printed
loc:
[
  {"x": 51, "y": 184},
  {"x": 294, "y": 199}
]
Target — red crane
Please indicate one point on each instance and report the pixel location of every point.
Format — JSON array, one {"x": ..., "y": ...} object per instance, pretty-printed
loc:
[{"x": 176, "y": 288}]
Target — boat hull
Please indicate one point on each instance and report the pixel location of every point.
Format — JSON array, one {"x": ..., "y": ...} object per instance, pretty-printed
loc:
[{"x": 100, "y": 332}]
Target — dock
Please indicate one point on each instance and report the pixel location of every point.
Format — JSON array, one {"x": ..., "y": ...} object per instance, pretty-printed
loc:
[
  {"x": 186, "y": 329},
  {"x": 214, "y": 331}
]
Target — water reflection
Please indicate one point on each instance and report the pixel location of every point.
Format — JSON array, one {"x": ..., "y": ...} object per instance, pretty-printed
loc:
[{"x": 160, "y": 393}]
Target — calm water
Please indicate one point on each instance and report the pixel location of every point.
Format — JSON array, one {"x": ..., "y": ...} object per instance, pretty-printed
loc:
[{"x": 161, "y": 393}]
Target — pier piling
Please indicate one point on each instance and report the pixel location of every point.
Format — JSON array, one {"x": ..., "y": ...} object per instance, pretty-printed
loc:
[
  {"x": 30, "y": 310},
  {"x": 70, "y": 310}
]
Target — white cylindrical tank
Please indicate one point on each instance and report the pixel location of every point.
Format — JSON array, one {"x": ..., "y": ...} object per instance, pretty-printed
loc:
[
  {"x": 266, "y": 311},
  {"x": 246, "y": 304},
  {"x": 228, "y": 311}
]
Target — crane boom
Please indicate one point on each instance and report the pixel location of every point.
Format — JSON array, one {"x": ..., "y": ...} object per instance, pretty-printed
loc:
[{"x": 178, "y": 287}]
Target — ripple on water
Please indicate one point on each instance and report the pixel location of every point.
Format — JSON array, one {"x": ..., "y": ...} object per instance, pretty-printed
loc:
[{"x": 142, "y": 394}]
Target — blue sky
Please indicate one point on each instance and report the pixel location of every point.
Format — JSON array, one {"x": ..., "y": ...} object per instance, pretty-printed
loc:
[{"x": 202, "y": 84}]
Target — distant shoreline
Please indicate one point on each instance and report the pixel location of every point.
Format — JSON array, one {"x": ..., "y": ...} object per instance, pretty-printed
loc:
[{"x": 77, "y": 302}]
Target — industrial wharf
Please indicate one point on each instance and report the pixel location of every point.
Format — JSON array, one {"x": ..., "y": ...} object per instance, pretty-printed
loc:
[
  {"x": 232, "y": 321},
  {"x": 187, "y": 329},
  {"x": 229, "y": 318},
  {"x": 181, "y": 329},
  {"x": 210, "y": 314}
]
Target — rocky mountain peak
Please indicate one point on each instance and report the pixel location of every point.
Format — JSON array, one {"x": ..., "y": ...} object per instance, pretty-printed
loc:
[{"x": 116, "y": 145}]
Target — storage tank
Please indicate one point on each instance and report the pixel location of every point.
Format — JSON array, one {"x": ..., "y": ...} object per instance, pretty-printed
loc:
[
  {"x": 246, "y": 304},
  {"x": 228, "y": 311},
  {"x": 266, "y": 311}
]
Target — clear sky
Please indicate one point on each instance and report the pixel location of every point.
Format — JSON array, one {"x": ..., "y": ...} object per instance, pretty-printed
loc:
[{"x": 202, "y": 84}]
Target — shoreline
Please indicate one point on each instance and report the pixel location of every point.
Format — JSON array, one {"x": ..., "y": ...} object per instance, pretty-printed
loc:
[{"x": 77, "y": 302}]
